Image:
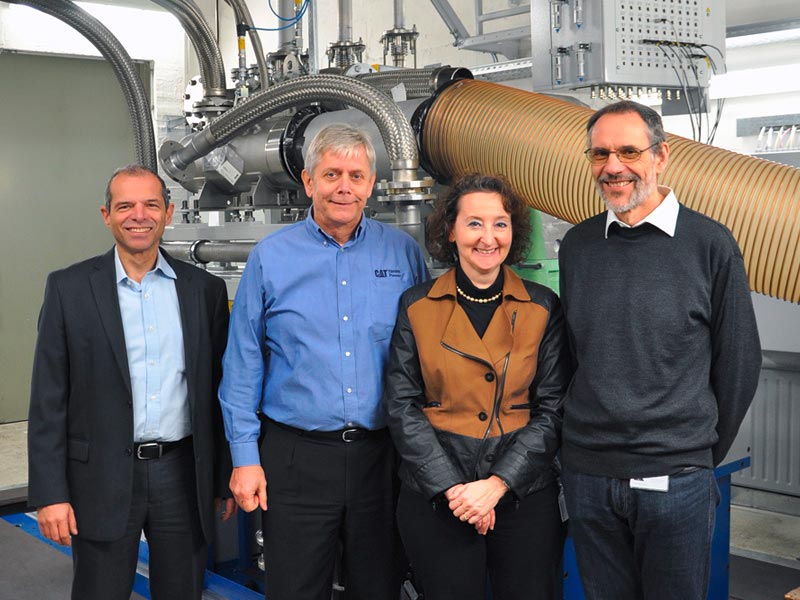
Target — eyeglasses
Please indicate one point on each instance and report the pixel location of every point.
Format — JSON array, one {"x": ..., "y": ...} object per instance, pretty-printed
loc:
[{"x": 626, "y": 154}]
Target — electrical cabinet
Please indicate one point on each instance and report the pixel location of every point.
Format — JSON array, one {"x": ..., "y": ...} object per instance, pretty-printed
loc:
[{"x": 622, "y": 44}]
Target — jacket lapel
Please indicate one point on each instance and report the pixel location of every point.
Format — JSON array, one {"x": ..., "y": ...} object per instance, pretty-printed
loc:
[
  {"x": 104, "y": 288},
  {"x": 190, "y": 320}
]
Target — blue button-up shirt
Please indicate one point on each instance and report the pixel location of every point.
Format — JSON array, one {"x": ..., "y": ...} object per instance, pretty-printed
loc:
[
  {"x": 151, "y": 319},
  {"x": 310, "y": 330}
]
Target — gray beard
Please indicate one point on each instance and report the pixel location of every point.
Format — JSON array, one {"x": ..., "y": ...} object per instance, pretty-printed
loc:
[{"x": 641, "y": 191}]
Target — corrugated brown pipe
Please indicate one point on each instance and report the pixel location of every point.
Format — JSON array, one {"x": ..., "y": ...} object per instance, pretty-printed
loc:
[{"x": 537, "y": 142}]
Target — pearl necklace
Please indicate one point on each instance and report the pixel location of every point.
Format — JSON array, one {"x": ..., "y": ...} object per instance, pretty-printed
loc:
[{"x": 479, "y": 300}]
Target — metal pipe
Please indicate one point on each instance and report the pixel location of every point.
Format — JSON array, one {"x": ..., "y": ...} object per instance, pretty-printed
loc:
[
  {"x": 345, "y": 20},
  {"x": 123, "y": 66},
  {"x": 313, "y": 39},
  {"x": 399, "y": 15},
  {"x": 538, "y": 141},
  {"x": 286, "y": 36},
  {"x": 205, "y": 251}
]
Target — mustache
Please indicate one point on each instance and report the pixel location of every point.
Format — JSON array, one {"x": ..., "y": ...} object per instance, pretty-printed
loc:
[{"x": 615, "y": 178}]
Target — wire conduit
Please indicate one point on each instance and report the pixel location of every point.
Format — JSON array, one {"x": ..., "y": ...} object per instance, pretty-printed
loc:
[{"x": 537, "y": 142}]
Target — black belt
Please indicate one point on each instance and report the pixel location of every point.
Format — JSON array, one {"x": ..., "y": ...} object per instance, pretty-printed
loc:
[
  {"x": 149, "y": 450},
  {"x": 347, "y": 435}
]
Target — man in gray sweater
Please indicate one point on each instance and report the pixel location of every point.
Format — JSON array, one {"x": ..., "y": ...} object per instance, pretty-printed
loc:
[{"x": 667, "y": 360}]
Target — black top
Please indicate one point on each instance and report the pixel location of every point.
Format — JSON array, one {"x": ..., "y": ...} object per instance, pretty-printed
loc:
[
  {"x": 665, "y": 345},
  {"x": 480, "y": 313}
]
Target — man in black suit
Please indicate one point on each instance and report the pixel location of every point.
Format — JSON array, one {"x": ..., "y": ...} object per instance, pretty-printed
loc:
[{"x": 124, "y": 431}]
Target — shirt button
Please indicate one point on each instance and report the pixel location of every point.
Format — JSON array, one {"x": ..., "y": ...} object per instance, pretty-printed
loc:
[
  {"x": 152, "y": 363},
  {"x": 344, "y": 282},
  {"x": 483, "y": 416},
  {"x": 153, "y": 397},
  {"x": 347, "y": 354},
  {"x": 490, "y": 457},
  {"x": 128, "y": 451},
  {"x": 151, "y": 328},
  {"x": 349, "y": 390},
  {"x": 489, "y": 377},
  {"x": 345, "y": 318},
  {"x": 146, "y": 296}
]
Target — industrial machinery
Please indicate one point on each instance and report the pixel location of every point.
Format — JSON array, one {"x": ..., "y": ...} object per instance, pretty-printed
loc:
[{"x": 241, "y": 159}]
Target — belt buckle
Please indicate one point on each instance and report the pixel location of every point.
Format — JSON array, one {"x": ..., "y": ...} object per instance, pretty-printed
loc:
[
  {"x": 148, "y": 445},
  {"x": 355, "y": 432}
]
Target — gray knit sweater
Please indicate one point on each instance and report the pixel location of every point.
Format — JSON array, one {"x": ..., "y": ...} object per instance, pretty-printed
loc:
[{"x": 665, "y": 345}]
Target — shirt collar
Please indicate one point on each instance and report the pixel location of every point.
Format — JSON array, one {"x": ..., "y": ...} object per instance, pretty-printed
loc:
[
  {"x": 315, "y": 230},
  {"x": 161, "y": 265},
  {"x": 664, "y": 216}
]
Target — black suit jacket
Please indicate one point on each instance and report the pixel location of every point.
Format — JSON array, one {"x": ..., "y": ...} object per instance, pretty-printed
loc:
[{"x": 80, "y": 428}]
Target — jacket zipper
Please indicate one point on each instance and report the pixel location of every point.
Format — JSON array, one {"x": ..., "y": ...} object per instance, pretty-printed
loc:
[{"x": 498, "y": 390}]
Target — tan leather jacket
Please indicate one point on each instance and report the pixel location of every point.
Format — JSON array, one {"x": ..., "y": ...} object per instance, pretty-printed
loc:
[{"x": 462, "y": 407}]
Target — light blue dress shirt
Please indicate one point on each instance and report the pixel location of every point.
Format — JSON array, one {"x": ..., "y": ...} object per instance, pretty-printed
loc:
[
  {"x": 310, "y": 330},
  {"x": 151, "y": 319}
]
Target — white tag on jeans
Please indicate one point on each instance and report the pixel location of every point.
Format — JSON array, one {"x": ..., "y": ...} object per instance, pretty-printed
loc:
[{"x": 654, "y": 484}]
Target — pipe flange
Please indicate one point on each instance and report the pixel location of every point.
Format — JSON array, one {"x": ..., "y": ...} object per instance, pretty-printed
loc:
[
  {"x": 187, "y": 177},
  {"x": 405, "y": 191},
  {"x": 192, "y": 252},
  {"x": 293, "y": 138}
]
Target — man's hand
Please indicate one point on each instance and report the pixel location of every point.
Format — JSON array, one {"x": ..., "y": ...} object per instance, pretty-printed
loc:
[
  {"x": 474, "y": 500},
  {"x": 226, "y": 507},
  {"x": 249, "y": 487},
  {"x": 57, "y": 522}
]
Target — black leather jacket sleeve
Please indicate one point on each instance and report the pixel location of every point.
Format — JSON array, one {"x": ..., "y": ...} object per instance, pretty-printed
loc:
[
  {"x": 403, "y": 397},
  {"x": 534, "y": 447}
]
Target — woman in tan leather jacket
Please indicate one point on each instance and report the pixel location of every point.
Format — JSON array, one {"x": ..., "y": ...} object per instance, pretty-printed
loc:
[{"x": 474, "y": 389}]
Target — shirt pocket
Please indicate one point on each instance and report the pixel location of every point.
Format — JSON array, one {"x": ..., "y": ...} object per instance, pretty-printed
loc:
[{"x": 384, "y": 301}]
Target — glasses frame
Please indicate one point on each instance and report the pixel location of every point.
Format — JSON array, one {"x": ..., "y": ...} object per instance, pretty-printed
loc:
[{"x": 616, "y": 152}]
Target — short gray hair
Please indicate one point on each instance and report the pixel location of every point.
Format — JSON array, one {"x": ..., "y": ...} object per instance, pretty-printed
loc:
[
  {"x": 655, "y": 127},
  {"x": 136, "y": 170},
  {"x": 341, "y": 140}
]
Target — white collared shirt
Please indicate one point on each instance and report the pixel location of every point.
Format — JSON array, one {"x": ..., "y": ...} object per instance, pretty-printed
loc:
[{"x": 664, "y": 216}]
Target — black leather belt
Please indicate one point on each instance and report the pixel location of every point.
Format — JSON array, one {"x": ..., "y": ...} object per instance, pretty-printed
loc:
[
  {"x": 150, "y": 450},
  {"x": 349, "y": 434}
]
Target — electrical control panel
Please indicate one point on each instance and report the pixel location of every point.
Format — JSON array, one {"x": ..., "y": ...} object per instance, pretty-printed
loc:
[{"x": 621, "y": 44}]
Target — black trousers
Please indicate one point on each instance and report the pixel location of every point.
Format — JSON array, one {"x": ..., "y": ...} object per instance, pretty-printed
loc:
[
  {"x": 451, "y": 561},
  {"x": 164, "y": 506},
  {"x": 320, "y": 493}
]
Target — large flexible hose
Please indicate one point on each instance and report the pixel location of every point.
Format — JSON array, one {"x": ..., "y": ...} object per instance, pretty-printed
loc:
[
  {"x": 396, "y": 133},
  {"x": 212, "y": 68},
  {"x": 537, "y": 142},
  {"x": 123, "y": 66},
  {"x": 418, "y": 83}
]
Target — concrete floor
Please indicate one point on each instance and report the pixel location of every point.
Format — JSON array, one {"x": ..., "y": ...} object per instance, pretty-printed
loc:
[
  {"x": 14, "y": 461},
  {"x": 763, "y": 535}
]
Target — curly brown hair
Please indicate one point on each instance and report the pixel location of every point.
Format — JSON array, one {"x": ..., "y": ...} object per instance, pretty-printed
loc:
[{"x": 441, "y": 220}]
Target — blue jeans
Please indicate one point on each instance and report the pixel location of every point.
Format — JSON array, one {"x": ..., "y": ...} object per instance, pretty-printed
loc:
[{"x": 634, "y": 544}]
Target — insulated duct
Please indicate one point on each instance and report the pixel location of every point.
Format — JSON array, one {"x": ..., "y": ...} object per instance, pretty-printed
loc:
[
  {"x": 538, "y": 142},
  {"x": 122, "y": 65},
  {"x": 212, "y": 68}
]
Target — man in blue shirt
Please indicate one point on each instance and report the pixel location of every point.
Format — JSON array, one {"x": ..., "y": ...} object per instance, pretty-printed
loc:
[
  {"x": 309, "y": 336},
  {"x": 125, "y": 431}
]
